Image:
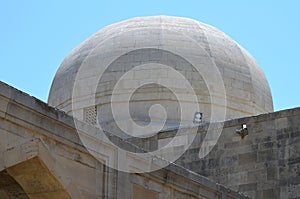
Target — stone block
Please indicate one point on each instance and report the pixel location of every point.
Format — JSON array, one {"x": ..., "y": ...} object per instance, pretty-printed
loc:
[
  {"x": 282, "y": 136},
  {"x": 266, "y": 145},
  {"x": 257, "y": 176},
  {"x": 247, "y": 158},
  {"x": 247, "y": 187},
  {"x": 272, "y": 173},
  {"x": 281, "y": 123},
  {"x": 295, "y": 134},
  {"x": 272, "y": 193},
  {"x": 267, "y": 155}
]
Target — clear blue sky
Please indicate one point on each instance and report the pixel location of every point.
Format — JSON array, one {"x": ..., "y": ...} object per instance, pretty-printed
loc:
[{"x": 37, "y": 35}]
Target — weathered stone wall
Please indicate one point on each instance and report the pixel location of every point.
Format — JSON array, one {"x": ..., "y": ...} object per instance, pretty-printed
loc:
[
  {"x": 42, "y": 156},
  {"x": 265, "y": 164}
]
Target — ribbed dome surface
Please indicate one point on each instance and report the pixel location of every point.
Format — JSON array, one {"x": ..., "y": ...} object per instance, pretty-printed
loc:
[{"x": 152, "y": 43}]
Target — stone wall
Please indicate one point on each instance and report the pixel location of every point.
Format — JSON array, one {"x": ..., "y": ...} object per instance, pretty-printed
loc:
[
  {"x": 42, "y": 156},
  {"x": 264, "y": 164}
]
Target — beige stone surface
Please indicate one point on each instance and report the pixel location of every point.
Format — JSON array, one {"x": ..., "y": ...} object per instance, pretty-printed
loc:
[
  {"x": 140, "y": 192},
  {"x": 36, "y": 179},
  {"x": 41, "y": 156},
  {"x": 180, "y": 43}
]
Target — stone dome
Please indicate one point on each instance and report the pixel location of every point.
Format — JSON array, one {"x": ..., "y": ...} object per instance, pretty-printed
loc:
[{"x": 141, "y": 53}]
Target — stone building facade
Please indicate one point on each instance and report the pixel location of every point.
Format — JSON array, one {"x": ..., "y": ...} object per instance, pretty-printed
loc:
[
  {"x": 41, "y": 156},
  {"x": 263, "y": 164},
  {"x": 70, "y": 147}
]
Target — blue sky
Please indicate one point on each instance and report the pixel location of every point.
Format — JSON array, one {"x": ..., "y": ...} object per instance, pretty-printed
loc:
[{"x": 36, "y": 35}]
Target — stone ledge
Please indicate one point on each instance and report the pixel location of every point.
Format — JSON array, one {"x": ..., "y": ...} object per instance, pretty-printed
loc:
[{"x": 25, "y": 104}]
